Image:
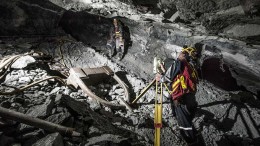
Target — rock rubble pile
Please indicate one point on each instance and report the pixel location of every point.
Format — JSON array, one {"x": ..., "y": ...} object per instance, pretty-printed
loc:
[{"x": 221, "y": 117}]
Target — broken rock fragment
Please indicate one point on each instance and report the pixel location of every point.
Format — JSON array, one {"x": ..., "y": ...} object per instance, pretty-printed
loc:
[
  {"x": 41, "y": 110},
  {"x": 22, "y": 62},
  {"x": 23, "y": 80},
  {"x": 54, "y": 139},
  {"x": 5, "y": 140},
  {"x": 105, "y": 139},
  {"x": 58, "y": 118}
]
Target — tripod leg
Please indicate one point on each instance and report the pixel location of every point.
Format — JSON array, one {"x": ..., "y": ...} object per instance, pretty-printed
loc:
[
  {"x": 158, "y": 116},
  {"x": 143, "y": 91}
]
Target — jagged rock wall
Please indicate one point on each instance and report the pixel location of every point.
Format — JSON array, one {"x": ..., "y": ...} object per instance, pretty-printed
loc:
[
  {"x": 30, "y": 17},
  {"x": 226, "y": 118},
  {"x": 224, "y": 18},
  {"x": 91, "y": 29},
  {"x": 193, "y": 9},
  {"x": 204, "y": 23}
]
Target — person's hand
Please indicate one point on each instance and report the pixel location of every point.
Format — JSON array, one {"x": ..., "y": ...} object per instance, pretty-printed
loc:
[
  {"x": 163, "y": 68},
  {"x": 158, "y": 77}
]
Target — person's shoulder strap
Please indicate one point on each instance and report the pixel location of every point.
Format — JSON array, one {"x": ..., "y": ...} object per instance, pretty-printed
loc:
[
  {"x": 172, "y": 72},
  {"x": 177, "y": 67}
]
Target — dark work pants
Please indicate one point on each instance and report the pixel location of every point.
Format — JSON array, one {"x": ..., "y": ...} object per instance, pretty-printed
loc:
[{"x": 185, "y": 111}]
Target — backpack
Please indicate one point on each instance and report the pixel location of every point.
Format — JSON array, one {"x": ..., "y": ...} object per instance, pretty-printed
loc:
[
  {"x": 173, "y": 67},
  {"x": 185, "y": 81}
]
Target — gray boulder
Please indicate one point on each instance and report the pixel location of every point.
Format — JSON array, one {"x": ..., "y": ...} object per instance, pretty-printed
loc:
[
  {"x": 22, "y": 62},
  {"x": 41, "y": 110},
  {"x": 54, "y": 139},
  {"x": 105, "y": 138}
]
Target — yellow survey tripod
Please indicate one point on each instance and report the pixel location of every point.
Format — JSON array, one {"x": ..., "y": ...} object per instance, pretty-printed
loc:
[
  {"x": 157, "y": 107},
  {"x": 158, "y": 115},
  {"x": 158, "y": 101}
]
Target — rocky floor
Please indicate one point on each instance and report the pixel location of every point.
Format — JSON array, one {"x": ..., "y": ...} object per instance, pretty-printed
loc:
[{"x": 223, "y": 118}]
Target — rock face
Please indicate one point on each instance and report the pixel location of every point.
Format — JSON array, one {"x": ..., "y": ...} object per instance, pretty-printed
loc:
[
  {"x": 54, "y": 139},
  {"x": 193, "y": 9},
  {"x": 107, "y": 138},
  {"x": 95, "y": 31},
  {"x": 206, "y": 17},
  {"x": 225, "y": 116},
  {"x": 245, "y": 30},
  {"x": 41, "y": 110},
  {"x": 23, "y": 62},
  {"x": 29, "y": 17},
  {"x": 226, "y": 33}
]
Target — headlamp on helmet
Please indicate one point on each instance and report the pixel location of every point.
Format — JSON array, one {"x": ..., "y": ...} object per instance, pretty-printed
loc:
[{"x": 192, "y": 52}]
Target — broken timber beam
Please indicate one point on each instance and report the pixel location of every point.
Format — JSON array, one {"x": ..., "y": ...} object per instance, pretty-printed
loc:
[
  {"x": 36, "y": 122},
  {"x": 83, "y": 77}
]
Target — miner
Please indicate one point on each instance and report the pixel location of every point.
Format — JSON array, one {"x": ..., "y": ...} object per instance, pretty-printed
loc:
[
  {"x": 116, "y": 41},
  {"x": 182, "y": 78}
]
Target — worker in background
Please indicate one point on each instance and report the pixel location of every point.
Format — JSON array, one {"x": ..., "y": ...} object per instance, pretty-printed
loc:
[
  {"x": 116, "y": 41},
  {"x": 182, "y": 77}
]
